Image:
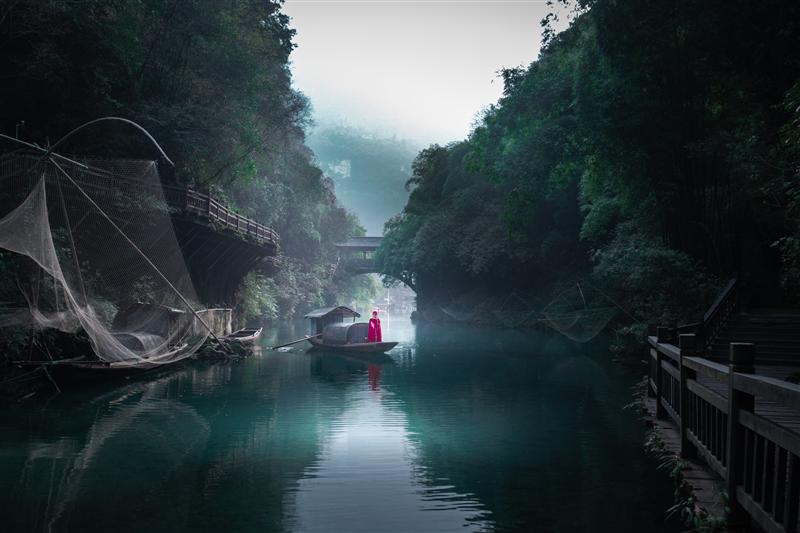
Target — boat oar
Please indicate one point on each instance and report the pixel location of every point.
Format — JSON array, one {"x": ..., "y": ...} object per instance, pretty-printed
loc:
[{"x": 295, "y": 342}]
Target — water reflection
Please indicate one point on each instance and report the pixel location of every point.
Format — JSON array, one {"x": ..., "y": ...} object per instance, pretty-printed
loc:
[
  {"x": 532, "y": 426},
  {"x": 368, "y": 476},
  {"x": 457, "y": 429},
  {"x": 66, "y": 478}
]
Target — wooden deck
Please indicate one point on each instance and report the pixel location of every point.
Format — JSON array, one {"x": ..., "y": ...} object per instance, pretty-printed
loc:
[
  {"x": 738, "y": 426},
  {"x": 219, "y": 246},
  {"x": 707, "y": 487},
  {"x": 190, "y": 202}
]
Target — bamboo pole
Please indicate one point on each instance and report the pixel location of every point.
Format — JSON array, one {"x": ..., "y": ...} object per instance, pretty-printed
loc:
[{"x": 296, "y": 341}]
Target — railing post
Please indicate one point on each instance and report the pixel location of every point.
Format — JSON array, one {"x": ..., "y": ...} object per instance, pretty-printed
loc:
[
  {"x": 688, "y": 346},
  {"x": 662, "y": 335},
  {"x": 652, "y": 331},
  {"x": 741, "y": 360}
]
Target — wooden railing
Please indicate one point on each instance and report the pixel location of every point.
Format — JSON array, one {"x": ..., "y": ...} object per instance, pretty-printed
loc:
[
  {"x": 202, "y": 205},
  {"x": 105, "y": 185},
  {"x": 717, "y": 316},
  {"x": 721, "y": 310},
  {"x": 757, "y": 457}
]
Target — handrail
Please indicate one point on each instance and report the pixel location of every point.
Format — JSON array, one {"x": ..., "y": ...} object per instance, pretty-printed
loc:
[
  {"x": 775, "y": 390},
  {"x": 205, "y": 205},
  {"x": 721, "y": 299},
  {"x": 184, "y": 199},
  {"x": 754, "y": 450},
  {"x": 716, "y": 316},
  {"x": 707, "y": 368}
]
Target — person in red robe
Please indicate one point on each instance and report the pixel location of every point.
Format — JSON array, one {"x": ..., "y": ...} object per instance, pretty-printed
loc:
[{"x": 374, "y": 333}]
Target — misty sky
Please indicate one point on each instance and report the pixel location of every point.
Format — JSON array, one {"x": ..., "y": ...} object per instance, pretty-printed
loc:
[{"x": 421, "y": 69}]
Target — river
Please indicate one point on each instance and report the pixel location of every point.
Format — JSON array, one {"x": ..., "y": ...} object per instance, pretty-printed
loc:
[{"x": 459, "y": 429}]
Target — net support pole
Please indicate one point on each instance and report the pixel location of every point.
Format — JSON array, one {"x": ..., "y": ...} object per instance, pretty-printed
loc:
[{"x": 136, "y": 248}]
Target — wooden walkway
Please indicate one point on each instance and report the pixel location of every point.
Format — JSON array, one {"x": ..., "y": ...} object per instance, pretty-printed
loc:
[
  {"x": 204, "y": 207},
  {"x": 707, "y": 488},
  {"x": 738, "y": 425}
]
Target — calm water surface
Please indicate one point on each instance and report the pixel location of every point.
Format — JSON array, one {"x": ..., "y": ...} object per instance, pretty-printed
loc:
[{"x": 456, "y": 430}]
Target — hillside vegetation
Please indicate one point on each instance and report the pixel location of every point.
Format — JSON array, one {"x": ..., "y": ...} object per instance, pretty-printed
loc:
[
  {"x": 652, "y": 150},
  {"x": 211, "y": 82}
]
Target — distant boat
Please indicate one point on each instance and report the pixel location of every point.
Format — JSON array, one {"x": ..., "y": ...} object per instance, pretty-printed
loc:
[
  {"x": 330, "y": 332},
  {"x": 244, "y": 336}
]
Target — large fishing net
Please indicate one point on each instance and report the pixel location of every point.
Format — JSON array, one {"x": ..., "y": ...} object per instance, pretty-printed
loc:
[
  {"x": 580, "y": 312},
  {"x": 102, "y": 255}
]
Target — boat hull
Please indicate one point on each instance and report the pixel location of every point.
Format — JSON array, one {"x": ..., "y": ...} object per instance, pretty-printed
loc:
[
  {"x": 84, "y": 368},
  {"x": 361, "y": 347},
  {"x": 95, "y": 370}
]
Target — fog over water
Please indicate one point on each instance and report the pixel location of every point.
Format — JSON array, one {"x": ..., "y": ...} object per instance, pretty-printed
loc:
[{"x": 420, "y": 70}]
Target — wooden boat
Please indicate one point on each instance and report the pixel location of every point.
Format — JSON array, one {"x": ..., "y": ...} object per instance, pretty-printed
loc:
[
  {"x": 244, "y": 336},
  {"x": 85, "y": 368},
  {"x": 355, "y": 347},
  {"x": 328, "y": 331}
]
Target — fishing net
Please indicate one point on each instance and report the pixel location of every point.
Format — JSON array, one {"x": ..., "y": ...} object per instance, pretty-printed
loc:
[
  {"x": 579, "y": 313},
  {"x": 458, "y": 316},
  {"x": 466, "y": 307},
  {"x": 103, "y": 255},
  {"x": 516, "y": 312}
]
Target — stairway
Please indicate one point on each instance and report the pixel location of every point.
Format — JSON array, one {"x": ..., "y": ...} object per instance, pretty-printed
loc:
[{"x": 775, "y": 332}]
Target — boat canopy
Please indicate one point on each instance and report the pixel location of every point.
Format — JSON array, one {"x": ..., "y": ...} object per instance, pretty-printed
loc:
[
  {"x": 335, "y": 310},
  {"x": 349, "y": 333},
  {"x": 319, "y": 318}
]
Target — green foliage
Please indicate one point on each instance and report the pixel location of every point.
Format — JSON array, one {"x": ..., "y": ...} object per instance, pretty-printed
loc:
[
  {"x": 652, "y": 147},
  {"x": 259, "y": 297},
  {"x": 685, "y": 506},
  {"x": 786, "y": 188},
  {"x": 654, "y": 281},
  {"x": 211, "y": 82}
]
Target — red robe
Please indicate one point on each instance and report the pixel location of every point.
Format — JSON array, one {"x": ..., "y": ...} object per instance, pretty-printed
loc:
[{"x": 374, "y": 334}]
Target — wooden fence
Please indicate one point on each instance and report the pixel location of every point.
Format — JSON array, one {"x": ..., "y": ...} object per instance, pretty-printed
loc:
[
  {"x": 110, "y": 185},
  {"x": 757, "y": 457},
  {"x": 204, "y": 206}
]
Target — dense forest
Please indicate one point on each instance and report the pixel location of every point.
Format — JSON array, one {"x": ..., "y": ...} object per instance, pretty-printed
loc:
[
  {"x": 211, "y": 82},
  {"x": 651, "y": 151}
]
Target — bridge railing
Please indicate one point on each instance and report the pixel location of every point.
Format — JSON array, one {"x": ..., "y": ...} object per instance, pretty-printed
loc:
[{"x": 757, "y": 457}]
